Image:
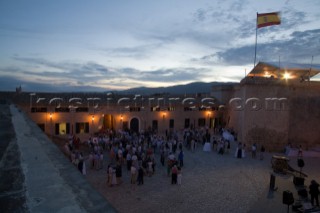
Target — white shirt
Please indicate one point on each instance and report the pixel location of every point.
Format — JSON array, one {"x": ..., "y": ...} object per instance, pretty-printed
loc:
[
  {"x": 133, "y": 170},
  {"x": 134, "y": 157}
]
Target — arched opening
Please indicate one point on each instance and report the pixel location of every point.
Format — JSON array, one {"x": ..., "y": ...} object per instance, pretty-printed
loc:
[
  {"x": 108, "y": 122},
  {"x": 134, "y": 125}
]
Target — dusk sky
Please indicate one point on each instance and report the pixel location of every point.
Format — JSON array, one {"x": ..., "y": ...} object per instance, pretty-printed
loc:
[{"x": 101, "y": 45}]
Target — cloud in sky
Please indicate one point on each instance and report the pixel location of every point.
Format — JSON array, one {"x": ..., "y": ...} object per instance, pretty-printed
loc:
[
  {"x": 301, "y": 42},
  {"x": 101, "y": 45}
]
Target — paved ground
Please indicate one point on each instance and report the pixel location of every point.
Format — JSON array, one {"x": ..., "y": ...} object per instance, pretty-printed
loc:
[{"x": 210, "y": 183}]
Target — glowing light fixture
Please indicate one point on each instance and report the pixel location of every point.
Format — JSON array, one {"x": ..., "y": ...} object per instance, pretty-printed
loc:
[
  {"x": 266, "y": 74},
  {"x": 164, "y": 115},
  {"x": 286, "y": 75}
]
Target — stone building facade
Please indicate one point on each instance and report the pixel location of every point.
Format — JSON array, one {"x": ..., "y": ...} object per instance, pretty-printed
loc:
[
  {"x": 86, "y": 114},
  {"x": 274, "y": 111}
]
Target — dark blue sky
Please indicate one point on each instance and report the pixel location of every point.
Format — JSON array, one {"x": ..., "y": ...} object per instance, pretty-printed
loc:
[{"x": 101, "y": 45}]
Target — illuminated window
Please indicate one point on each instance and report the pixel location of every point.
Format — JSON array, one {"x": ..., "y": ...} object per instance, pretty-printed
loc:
[
  {"x": 171, "y": 109},
  {"x": 62, "y": 128},
  {"x": 82, "y": 127},
  {"x": 154, "y": 109}
]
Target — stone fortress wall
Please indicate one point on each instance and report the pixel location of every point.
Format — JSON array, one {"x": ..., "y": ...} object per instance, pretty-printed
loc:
[{"x": 274, "y": 113}]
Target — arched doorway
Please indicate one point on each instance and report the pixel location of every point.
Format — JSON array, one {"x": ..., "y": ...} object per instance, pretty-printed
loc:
[
  {"x": 108, "y": 122},
  {"x": 134, "y": 125}
]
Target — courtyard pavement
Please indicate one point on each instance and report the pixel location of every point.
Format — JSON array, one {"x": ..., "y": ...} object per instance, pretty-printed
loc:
[{"x": 210, "y": 183}]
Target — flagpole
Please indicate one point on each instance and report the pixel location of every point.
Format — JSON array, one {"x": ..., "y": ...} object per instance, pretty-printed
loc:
[
  {"x": 310, "y": 70},
  {"x": 255, "y": 48},
  {"x": 279, "y": 70}
]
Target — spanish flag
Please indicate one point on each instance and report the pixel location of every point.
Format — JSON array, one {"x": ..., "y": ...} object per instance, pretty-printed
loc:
[{"x": 268, "y": 19}]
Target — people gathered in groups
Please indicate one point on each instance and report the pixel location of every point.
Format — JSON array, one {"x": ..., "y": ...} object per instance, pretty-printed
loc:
[{"x": 140, "y": 155}]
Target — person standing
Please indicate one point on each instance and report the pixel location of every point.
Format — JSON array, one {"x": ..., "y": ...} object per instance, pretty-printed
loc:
[
  {"x": 80, "y": 165},
  {"x": 133, "y": 174},
  {"x": 129, "y": 161},
  {"x": 119, "y": 173},
  {"x": 140, "y": 176},
  {"x": 254, "y": 151},
  {"x": 228, "y": 146},
  {"x": 134, "y": 160},
  {"x": 262, "y": 150},
  {"x": 101, "y": 160},
  {"x": 120, "y": 155},
  {"x": 114, "y": 177},
  {"x": 180, "y": 158},
  {"x": 162, "y": 157},
  {"x": 314, "y": 192},
  {"x": 193, "y": 145},
  {"x": 149, "y": 170},
  {"x": 179, "y": 176},
  {"x": 91, "y": 160},
  {"x": 110, "y": 175},
  {"x": 244, "y": 148},
  {"x": 97, "y": 161},
  {"x": 153, "y": 165},
  {"x": 239, "y": 150},
  {"x": 84, "y": 169},
  {"x": 169, "y": 166},
  {"x": 215, "y": 144},
  {"x": 174, "y": 174},
  {"x": 174, "y": 146}
]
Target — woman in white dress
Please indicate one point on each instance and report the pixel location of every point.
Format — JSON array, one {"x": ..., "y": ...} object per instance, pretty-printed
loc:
[{"x": 244, "y": 151}]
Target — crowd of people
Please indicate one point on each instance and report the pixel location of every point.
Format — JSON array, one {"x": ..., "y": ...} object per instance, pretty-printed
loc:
[
  {"x": 72, "y": 150},
  {"x": 113, "y": 152},
  {"x": 141, "y": 155}
]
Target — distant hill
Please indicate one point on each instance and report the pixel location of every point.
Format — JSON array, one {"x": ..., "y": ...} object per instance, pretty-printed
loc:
[{"x": 192, "y": 88}]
